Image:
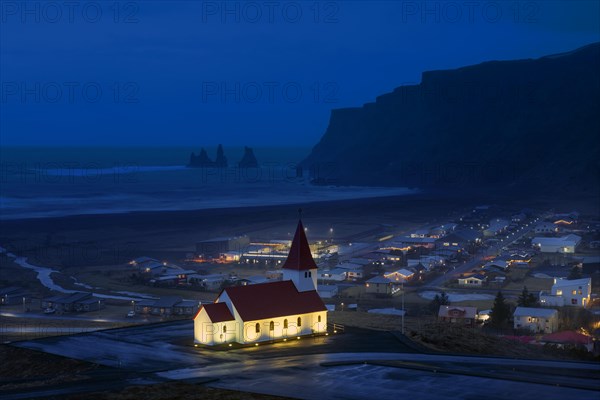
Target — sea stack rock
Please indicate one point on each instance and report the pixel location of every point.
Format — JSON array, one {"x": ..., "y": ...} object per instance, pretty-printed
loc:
[
  {"x": 249, "y": 159},
  {"x": 221, "y": 161},
  {"x": 201, "y": 160}
]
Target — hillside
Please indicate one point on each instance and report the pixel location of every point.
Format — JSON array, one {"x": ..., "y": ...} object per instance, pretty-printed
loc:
[{"x": 533, "y": 124}]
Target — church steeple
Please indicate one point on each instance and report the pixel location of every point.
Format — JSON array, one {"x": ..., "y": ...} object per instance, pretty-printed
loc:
[
  {"x": 300, "y": 267},
  {"x": 300, "y": 257}
]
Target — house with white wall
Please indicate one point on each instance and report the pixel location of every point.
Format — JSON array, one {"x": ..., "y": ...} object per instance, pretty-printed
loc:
[
  {"x": 564, "y": 292},
  {"x": 401, "y": 275},
  {"x": 475, "y": 280},
  {"x": 265, "y": 312},
  {"x": 537, "y": 320},
  {"x": 565, "y": 244}
]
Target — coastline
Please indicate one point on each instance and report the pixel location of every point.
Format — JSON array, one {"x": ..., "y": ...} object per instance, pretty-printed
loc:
[{"x": 110, "y": 239}]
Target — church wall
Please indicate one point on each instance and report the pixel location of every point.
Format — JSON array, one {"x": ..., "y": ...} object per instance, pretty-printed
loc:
[{"x": 309, "y": 324}]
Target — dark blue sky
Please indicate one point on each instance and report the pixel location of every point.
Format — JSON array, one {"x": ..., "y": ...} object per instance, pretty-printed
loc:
[{"x": 256, "y": 73}]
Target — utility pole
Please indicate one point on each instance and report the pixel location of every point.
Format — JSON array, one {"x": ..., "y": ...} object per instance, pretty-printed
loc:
[{"x": 403, "y": 312}]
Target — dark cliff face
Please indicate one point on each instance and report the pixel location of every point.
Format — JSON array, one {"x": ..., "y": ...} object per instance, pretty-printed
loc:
[{"x": 529, "y": 123}]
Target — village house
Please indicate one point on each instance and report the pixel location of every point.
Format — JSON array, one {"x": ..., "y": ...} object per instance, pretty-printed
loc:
[
  {"x": 442, "y": 230},
  {"x": 457, "y": 315},
  {"x": 569, "y": 339},
  {"x": 537, "y": 320},
  {"x": 352, "y": 270},
  {"x": 564, "y": 244},
  {"x": 420, "y": 233},
  {"x": 287, "y": 309},
  {"x": 381, "y": 285},
  {"x": 519, "y": 259},
  {"x": 545, "y": 228},
  {"x": 497, "y": 264},
  {"x": 407, "y": 241},
  {"x": 475, "y": 280},
  {"x": 166, "y": 306},
  {"x": 14, "y": 295},
  {"x": 401, "y": 275},
  {"x": 211, "y": 282},
  {"x": 151, "y": 268},
  {"x": 327, "y": 291},
  {"x": 337, "y": 275},
  {"x": 73, "y": 302},
  {"x": 496, "y": 227},
  {"x": 432, "y": 261},
  {"x": 462, "y": 238},
  {"x": 564, "y": 292}
]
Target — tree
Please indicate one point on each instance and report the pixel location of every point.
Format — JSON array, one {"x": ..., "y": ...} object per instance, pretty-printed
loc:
[
  {"x": 527, "y": 299},
  {"x": 439, "y": 300},
  {"x": 500, "y": 311},
  {"x": 575, "y": 273}
]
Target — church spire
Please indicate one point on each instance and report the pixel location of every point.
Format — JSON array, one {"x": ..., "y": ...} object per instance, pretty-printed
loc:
[{"x": 300, "y": 257}]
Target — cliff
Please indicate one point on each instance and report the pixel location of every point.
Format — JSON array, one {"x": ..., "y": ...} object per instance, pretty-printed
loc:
[{"x": 530, "y": 124}]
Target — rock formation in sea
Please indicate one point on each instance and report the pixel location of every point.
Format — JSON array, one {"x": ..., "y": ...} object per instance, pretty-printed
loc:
[
  {"x": 249, "y": 159},
  {"x": 202, "y": 160},
  {"x": 221, "y": 161}
]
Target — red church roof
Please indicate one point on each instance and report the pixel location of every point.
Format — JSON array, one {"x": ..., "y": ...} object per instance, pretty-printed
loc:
[
  {"x": 217, "y": 312},
  {"x": 300, "y": 258},
  {"x": 273, "y": 299}
]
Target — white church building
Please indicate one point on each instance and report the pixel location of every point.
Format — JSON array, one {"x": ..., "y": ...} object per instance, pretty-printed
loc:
[{"x": 290, "y": 308}]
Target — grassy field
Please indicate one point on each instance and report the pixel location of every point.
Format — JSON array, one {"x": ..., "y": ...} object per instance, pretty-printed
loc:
[
  {"x": 23, "y": 369},
  {"x": 173, "y": 391}
]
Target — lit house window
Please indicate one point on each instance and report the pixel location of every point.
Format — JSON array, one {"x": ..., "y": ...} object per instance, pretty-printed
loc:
[
  {"x": 574, "y": 292},
  {"x": 559, "y": 292}
]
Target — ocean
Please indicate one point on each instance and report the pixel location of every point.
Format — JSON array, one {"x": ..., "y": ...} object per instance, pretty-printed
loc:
[{"x": 38, "y": 182}]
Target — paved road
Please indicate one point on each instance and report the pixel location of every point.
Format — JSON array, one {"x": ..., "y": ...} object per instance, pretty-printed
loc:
[
  {"x": 476, "y": 261},
  {"x": 154, "y": 353}
]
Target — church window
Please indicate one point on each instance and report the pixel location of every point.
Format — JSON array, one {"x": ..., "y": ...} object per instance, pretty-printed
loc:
[
  {"x": 285, "y": 324},
  {"x": 309, "y": 274},
  {"x": 257, "y": 327},
  {"x": 224, "y": 329},
  {"x": 319, "y": 318},
  {"x": 299, "y": 321},
  {"x": 271, "y": 326}
]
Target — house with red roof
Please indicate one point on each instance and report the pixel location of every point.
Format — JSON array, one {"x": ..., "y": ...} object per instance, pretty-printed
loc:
[{"x": 264, "y": 312}]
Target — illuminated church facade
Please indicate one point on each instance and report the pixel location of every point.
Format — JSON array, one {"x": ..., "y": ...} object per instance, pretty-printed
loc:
[{"x": 290, "y": 308}]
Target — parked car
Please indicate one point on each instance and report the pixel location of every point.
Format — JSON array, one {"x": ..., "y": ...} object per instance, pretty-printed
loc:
[
  {"x": 49, "y": 311},
  {"x": 131, "y": 314}
]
